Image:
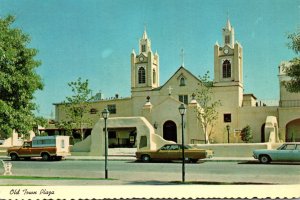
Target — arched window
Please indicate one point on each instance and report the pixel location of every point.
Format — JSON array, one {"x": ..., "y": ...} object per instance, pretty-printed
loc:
[
  {"x": 227, "y": 39},
  {"x": 226, "y": 69},
  {"x": 142, "y": 75},
  {"x": 154, "y": 76},
  {"x": 143, "y": 48},
  {"x": 182, "y": 81}
]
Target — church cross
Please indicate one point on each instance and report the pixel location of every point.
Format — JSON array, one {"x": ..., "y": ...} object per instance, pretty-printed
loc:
[
  {"x": 182, "y": 57},
  {"x": 170, "y": 90}
]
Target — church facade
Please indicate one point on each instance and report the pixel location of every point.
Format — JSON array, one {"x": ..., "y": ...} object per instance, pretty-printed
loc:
[{"x": 159, "y": 103}]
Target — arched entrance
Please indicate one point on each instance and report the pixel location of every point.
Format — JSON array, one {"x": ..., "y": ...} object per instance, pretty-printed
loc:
[
  {"x": 293, "y": 131},
  {"x": 170, "y": 131}
]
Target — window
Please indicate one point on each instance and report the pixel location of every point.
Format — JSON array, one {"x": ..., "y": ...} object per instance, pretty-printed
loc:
[
  {"x": 227, "y": 117},
  {"x": 154, "y": 76},
  {"x": 112, "y": 134},
  {"x": 62, "y": 144},
  {"x": 143, "y": 141},
  {"x": 226, "y": 69},
  {"x": 183, "y": 99},
  {"x": 227, "y": 39},
  {"x": 112, "y": 109},
  {"x": 142, "y": 75},
  {"x": 174, "y": 147},
  {"x": 289, "y": 147},
  {"x": 143, "y": 48},
  {"x": 167, "y": 147},
  {"x": 182, "y": 81}
]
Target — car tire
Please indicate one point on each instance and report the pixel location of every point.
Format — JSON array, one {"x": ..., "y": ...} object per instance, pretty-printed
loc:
[
  {"x": 14, "y": 157},
  {"x": 146, "y": 158},
  {"x": 264, "y": 159},
  {"x": 45, "y": 157},
  {"x": 194, "y": 160}
]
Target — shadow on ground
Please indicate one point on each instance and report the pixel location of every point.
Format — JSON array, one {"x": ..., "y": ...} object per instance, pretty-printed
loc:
[
  {"x": 172, "y": 162},
  {"x": 254, "y": 162},
  {"x": 194, "y": 183}
]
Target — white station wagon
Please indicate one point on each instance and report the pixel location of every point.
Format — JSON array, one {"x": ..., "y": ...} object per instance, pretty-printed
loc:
[{"x": 287, "y": 152}]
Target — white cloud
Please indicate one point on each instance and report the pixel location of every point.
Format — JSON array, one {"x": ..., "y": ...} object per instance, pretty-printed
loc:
[{"x": 106, "y": 53}]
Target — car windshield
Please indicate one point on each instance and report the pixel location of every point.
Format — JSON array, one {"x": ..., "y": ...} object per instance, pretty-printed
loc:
[{"x": 280, "y": 147}]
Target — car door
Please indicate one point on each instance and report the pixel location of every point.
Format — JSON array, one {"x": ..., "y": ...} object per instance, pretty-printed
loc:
[
  {"x": 286, "y": 153},
  {"x": 25, "y": 150},
  {"x": 296, "y": 153},
  {"x": 174, "y": 152},
  {"x": 162, "y": 153}
]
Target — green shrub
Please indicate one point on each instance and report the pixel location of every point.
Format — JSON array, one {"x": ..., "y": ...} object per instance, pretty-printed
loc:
[{"x": 246, "y": 134}]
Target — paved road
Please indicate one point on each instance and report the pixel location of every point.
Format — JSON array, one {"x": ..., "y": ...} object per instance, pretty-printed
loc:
[{"x": 130, "y": 172}]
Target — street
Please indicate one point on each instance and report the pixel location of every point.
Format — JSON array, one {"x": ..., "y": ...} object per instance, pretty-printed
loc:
[{"x": 131, "y": 172}]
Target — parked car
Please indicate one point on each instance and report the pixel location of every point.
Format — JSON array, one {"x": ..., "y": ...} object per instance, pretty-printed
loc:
[
  {"x": 46, "y": 147},
  {"x": 287, "y": 152},
  {"x": 170, "y": 152}
]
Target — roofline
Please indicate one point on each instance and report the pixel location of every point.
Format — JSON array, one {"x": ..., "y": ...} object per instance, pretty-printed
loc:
[
  {"x": 181, "y": 67},
  {"x": 96, "y": 101}
]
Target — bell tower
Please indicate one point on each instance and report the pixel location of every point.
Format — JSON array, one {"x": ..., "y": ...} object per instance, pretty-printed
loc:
[
  {"x": 144, "y": 66},
  {"x": 228, "y": 60}
]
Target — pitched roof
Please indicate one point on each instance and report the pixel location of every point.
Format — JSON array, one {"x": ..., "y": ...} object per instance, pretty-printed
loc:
[{"x": 180, "y": 68}]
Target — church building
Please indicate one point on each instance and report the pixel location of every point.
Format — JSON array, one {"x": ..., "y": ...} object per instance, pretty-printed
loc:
[{"x": 159, "y": 104}]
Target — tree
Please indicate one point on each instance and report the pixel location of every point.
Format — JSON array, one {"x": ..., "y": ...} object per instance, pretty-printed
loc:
[
  {"x": 207, "y": 113},
  {"x": 77, "y": 106},
  {"x": 18, "y": 80},
  {"x": 246, "y": 134},
  {"x": 293, "y": 71},
  {"x": 39, "y": 121}
]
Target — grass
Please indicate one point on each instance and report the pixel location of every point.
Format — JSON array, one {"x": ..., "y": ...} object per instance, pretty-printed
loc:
[{"x": 51, "y": 178}]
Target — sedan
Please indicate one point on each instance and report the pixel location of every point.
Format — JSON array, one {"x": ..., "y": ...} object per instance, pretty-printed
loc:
[
  {"x": 287, "y": 152},
  {"x": 170, "y": 152}
]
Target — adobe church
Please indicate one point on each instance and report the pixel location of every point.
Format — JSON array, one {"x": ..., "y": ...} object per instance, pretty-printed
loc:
[{"x": 158, "y": 104}]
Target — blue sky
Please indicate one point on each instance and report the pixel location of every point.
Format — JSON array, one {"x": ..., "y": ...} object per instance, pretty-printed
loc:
[{"x": 93, "y": 39}]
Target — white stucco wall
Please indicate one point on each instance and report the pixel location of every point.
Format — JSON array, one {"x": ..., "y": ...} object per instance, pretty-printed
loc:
[{"x": 94, "y": 144}]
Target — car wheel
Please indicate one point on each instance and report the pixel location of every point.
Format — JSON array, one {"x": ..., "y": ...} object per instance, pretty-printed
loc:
[
  {"x": 14, "y": 156},
  {"x": 45, "y": 157},
  {"x": 264, "y": 159},
  {"x": 146, "y": 158},
  {"x": 194, "y": 160}
]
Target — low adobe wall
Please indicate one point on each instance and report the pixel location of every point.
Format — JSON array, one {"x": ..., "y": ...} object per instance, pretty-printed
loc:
[
  {"x": 236, "y": 149},
  {"x": 93, "y": 145}
]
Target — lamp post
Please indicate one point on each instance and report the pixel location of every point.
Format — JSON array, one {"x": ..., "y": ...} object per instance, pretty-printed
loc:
[
  {"x": 228, "y": 129},
  {"x": 182, "y": 110},
  {"x": 105, "y": 114}
]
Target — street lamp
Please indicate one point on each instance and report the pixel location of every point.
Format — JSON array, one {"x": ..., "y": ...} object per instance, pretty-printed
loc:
[
  {"x": 182, "y": 110},
  {"x": 228, "y": 129},
  {"x": 105, "y": 114}
]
